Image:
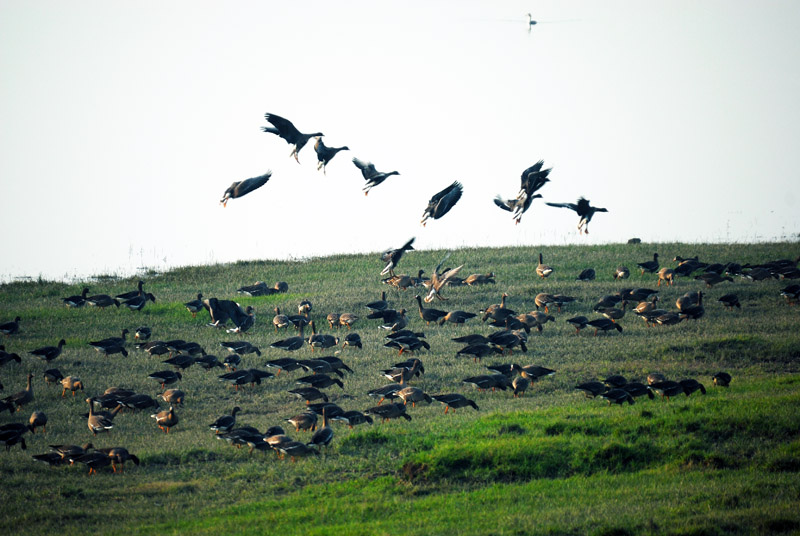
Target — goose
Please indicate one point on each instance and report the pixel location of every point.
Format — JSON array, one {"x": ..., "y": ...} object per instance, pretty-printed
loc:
[
  {"x": 165, "y": 377},
  {"x": 479, "y": 279},
  {"x": 71, "y": 452},
  {"x": 11, "y": 327},
  {"x": 209, "y": 362},
  {"x": 110, "y": 341},
  {"x": 336, "y": 364},
  {"x": 534, "y": 372},
  {"x": 21, "y": 398},
  {"x": 489, "y": 311},
  {"x": 325, "y": 154},
  {"x": 318, "y": 340},
  {"x": 721, "y": 379},
  {"x": 479, "y": 351},
  {"x": 655, "y": 377},
  {"x": 603, "y": 324},
  {"x": 292, "y": 343},
  {"x": 173, "y": 396},
  {"x": 371, "y": 175},
  {"x": 441, "y": 203},
  {"x": 283, "y": 364},
  {"x": 226, "y": 422},
  {"x": 636, "y": 389},
  {"x": 347, "y": 320},
  {"x": 53, "y": 376},
  {"x": 646, "y": 306},
  {"x": 319, "y": 381},
  {"x": 76, "y": 301},
  {"x": 93, "y": 460},
  {"x": 578, "y": 322},
  {"x": 711, "y": 279},
  {"x": 138, "y": 401},
  {"x": 37, "y": 419},
  {"x": 389, "y": 411},
  {"x": 612, "y": 313},
  {"x": 695, "y": 310},
  {"x": 132, "y": 293},
  {"x": 669, "y": 319},
  {"x": 456, "y": 317},
  {"x": 730, "y": 301},
  {"x": 584, "y": 210},
  {"x": 48, "y": 353},
  {"x": 508, "y": 340},
  {"x": 397, "y": 323},
  {"x": 520, "y": 385},
  {"x": 240, "y": 347},
  {"x": 587, "y": 274},
  {"x": 621, "y": 272},
  {"x": 691, "y": 385},
  {"x": 102, "y": 301},
  {"x": 280, "y": 321},
  {"x": 487, "y": 381},
  {"x": 649, "y": 266},
  {"x": 592, "y": 389},
  {"x": 439, "y": 280},
  {"x": 667, "y": 275},
  {"x": 286, "y": 130},
  {"x": 615, "y": 381},
  {"x": 543, "y": 270},
  {"x": 666, "y": 389},
  {"x": 413, "y": 395},
  {"x": 379, "y": 305},
  {"x": 472, "y": 339},
  {"x": 137, "y": 303},
  {"x": 98, "y": 423},
  {"x": 317, "y": 366},
  {"x": 166, "y": 419},
  {"x": 296, "y": 449},
  {"x": 309, "y": 394},
  {"x": 118, "y": 456},
  {"x": 195, "y": 306},
  {"x": 391, "y": 257},
  {"x": 143, "y": 333},
  {"x": 454, "y": 401},
  {"x": 71, "y": 383},
  {"x": 531, "y": 180},
  {"x": 259, "y": 288},
  {"x": 617, "y": 396},
  {"x": 242, "y": 377},
  {"x": 324, "y": 436},
  {"x": 353, "y": 418},
  {"x": 352, "y": 339},
  {"x": 386, "y": 392},
  {"x": 304, "y": 421}
]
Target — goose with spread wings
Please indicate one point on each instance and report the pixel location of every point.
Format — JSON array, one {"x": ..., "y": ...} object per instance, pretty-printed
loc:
[
  {"x": 372, "y": 175},
  {"x": 240, "y": 188},
  {"x": 392, "y": 256},
  {"x": 531, "y": 181},
  {"x": 441, "y": 203},
  {"x": 286, "y": 130},
  {"x": 439, "y": 280},
  {"x": 584, "y": 210}
]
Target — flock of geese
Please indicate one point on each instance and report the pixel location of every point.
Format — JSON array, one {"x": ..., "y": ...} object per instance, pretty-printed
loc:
[
  {"x": 531, "y": 180},
  {"x": 328, "y": 371}
]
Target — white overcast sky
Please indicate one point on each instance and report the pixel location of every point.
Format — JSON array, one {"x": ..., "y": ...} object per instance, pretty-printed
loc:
[{"x": 123, "y": 123}]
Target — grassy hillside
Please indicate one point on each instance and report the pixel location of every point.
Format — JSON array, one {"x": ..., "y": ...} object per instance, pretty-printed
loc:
[{"x": 551, "y": 462}]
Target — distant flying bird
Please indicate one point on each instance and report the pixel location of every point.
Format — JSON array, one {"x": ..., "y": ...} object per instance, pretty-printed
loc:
[
  {"x": 325, "y": 154},
  {"x": 584, "y": 210},
  {"x": 240, "y": 188},
  {"x": 531, "y": 22},
  {"x": 392, "y": 256},
  {"x": 372, "y": 175},
  {"x": 532, "y": 179},
  {"x": 286, "y": 130},
  {"x": 441, "y": 203}
]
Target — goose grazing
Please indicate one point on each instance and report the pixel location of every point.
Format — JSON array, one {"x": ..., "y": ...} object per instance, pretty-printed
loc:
[
  {"x": 71, "y": 383},
  {"x": 603, "y": 324},
  {"x": 730, "y": 301},
  {"x": 102, "y": 301},
  {"x": 352, "y": 418},
  {"x": 371, "y": 175},
  {"x": 621, "y": 272},
  {"x": 543, "y": 270},
  {"x": 325, "y": 154},
  {"x": 36, "y": 420},
  {"x": 454, "y": 401},
  {"x": 441, "y": 203},
  {"x": 118, "y": 456},
  {"x": 584, "y": 210},
  {"x": 292, "y": 343},
  {"x": 389, "y": 411},
  {"x": 324, "y": 436},
  {"x": 721, "y": 379},
  {"x": 479, "y": 279},
  {"x": 587, "y": 274},
  {"x": 76, "y": 301},
  {"x": 133, "y": 293},
  {"x": 391, "y": 257},
  {"x": 286, "y": 130},
  {"x": 578, "y": 322},
  {"x": 531, "y": 180}
]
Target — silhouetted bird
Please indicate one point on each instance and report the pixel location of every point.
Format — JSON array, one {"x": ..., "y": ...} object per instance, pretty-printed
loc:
[
  {"x": 372, "y": 175},
  {"x": 441, "y": 203},
  {"x": 325, "y": 154},
  {"x": 584, "y": 210},
  {"x": 286, "y": 130},
  {"x": 392, "y": 256},
  {"x": 532, "y": 180},
  {"x": 240, "y": 188}
]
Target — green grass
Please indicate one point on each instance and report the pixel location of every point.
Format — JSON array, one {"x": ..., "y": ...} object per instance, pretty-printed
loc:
[{"x": 552, "y": 462}]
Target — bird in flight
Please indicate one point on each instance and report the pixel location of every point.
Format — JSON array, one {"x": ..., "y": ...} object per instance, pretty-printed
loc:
[
  {"x": 584, "y": 210},
  {"x": 286, "y": 130},
  {"x": 532, "y": 180},
  {"x": 240, "y": 188},
  {"x": 372, "y": 175},
  {"x": 325, "y": 154},
  {"x": 392, "y": 256},
  {"x": 441, "y": 203}
]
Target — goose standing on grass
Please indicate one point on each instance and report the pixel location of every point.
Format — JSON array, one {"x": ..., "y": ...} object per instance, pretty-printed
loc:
[
  {"x": 241, "y": 188},
  {"x": 730, "y": 301},
  {"x": 531, "y": 181},
  {"x": 96, "y": 422},
  {"x": 372, "y": 175},
  {"x": 324, "y": 436},
  {"x": 441, "y": 203},
  {"x": 166, "y": 419},
  {"x": 37, "y": 419},
  {"x": 543, "y": 270},
  {"x": 19, "y": 399},
  {"x": 132, "y": 293},
  {"x": 280, "y": 321},
  {"x": 137, "y": 303},
  {"x": 119, "y": 455},
  {"x": 48, "y": 353},
  {"x": 454, "y": 401},
  {"x": 325, "y": 154},
  {"x": 286, "y": 130},
  {"x": 621, "y": 272},
  {"x": 650, "y": 267},
  {"x": 76, "y": 301},
  {"x": 11, "y": 327},
  {"x": 584, "y": 210},
  {"x": 226, "y": 422},
  {"x": 102, "y": 301},
  {"x": 195, "y": 306}
]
